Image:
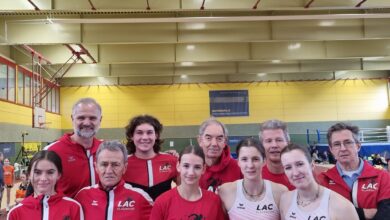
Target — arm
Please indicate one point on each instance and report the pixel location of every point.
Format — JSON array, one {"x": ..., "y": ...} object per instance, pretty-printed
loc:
[
  {"x": 339, "y": 206},
  {"x": 227, "y": 193},
  {"x": 383, "y": 199}
]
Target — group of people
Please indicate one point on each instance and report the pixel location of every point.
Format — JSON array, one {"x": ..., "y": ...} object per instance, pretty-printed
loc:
[{"x": 82, "y": 177}]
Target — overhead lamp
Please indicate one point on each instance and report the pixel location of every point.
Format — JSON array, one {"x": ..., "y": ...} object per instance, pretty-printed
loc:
[
  {"x": 183, "y": 76},
  {"x": 261, "y": 74},
  {"x": 187, "y": 63},
  {"x": 294, "y": 46},
  {"x": 275, "y": 61},
  {"x": 190, "y": 47},
  {"x": 372, "y": 58},
  {"x": 326, "y": 23}
]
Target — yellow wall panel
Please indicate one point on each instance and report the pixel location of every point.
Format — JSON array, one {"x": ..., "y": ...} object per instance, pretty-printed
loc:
[{"x": 188, "y": 104}]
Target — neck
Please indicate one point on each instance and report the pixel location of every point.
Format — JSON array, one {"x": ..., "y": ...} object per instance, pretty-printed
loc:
[
  {"x": 275, "y": 167},
  {"x": 351, "y": 166},
  {"x": 145, "y": 155},
  {"x": 212, "y": 161},
  {"x": 189, "y": 192},
  {"x": 310, "y": 192},
  {"x": 253, "y": 188},
  {"x": 85, "y": 142}
]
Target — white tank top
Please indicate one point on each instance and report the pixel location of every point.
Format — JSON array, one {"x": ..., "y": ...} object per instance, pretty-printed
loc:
[
  {"x": 266, "y": 209},
  {"x": 320, "y": 213}
]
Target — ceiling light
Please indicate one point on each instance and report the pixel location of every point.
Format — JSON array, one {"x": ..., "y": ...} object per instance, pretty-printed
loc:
[
  {"x": 294, "y": 46},
  {"x": 190, "y": 47},
  {"x": 261, "y": 74},
  {"x": 183, "y": 76},
  {"x": 187, "y": 63},
  {"x": 372, "y": 58},
  {"x": 275, "y": 61},
  {"x": 326, "y": 23},
  {"x": 197, "y": 26}
]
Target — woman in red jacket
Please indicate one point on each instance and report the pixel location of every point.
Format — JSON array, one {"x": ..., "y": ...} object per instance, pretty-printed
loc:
[{"x": 44, "y": 202}]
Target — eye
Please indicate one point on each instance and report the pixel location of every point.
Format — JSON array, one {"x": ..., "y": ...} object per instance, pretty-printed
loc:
[
  {"x": 198, "y": 167},
  {"x": 268, "y": 140},
  {"x": 287, "y": 167},
  {"x": 186, "y": 165},
  {"x": 243, "y": 159},
  {"x": 38, "y": 172}
]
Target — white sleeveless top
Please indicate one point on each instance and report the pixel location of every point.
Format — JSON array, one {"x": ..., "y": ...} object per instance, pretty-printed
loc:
[
  {"x": 320, "y": 213},
  {"x": 266, "y": 209}
]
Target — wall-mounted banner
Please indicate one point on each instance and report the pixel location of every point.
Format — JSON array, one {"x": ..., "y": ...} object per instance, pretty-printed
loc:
[{"x": 225, "y": 103}]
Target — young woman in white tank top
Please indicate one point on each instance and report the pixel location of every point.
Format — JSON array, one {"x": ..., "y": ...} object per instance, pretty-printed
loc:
[
  {"x": 309, "y": 201},
  {"x": 251, "y": 197}
]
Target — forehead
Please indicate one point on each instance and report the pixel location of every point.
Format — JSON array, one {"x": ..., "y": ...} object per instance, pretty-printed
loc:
[
  {"x": 248, "y": 151},
  {"x": 293, "y": 156},
  {"x": 213, "y": 129},
  {"x": 273, "y": 133},
  {"x": 191, "y": 158},
  {"x": 44, "y": 165},
  {"x": 144, "y": 126},
  {"x": 341, "y": 135},
  {"x": 108, "y": 155},
  {"x": 86, "y": 109}
]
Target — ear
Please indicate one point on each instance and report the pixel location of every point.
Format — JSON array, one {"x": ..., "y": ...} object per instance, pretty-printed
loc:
[
  {"x": 359, "y": 146},
  {"x": 204, "y": 169},
  {"x": 59, "y": 176},
  {"x": 101, "y": 117},
  {"x": 95, "y": 165},
  {"x": 199, "y": 139},
  {"x": 178, "y": 166}
]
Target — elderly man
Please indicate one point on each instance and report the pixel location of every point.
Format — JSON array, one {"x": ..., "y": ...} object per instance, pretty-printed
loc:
[
  {"x": 77, "y": 150},
  {"x": 220, "y": 167},
  {"x": 274, "y": 137},
  {"x": 366, "y": 187},
  {"x": 112, "y": 198}
]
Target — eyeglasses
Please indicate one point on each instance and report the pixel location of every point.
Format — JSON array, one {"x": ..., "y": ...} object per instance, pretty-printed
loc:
[{"x": 346, "y": 144}]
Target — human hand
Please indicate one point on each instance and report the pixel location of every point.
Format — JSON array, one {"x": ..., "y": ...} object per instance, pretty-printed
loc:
[{"x": 369, "y": 213}]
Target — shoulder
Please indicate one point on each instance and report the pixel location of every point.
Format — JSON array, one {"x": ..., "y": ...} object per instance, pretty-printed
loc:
[
  {"x": 277, "y": 188},
  {"x": 140, "y": 192},
  {"x": 166, "y": 157},
  {"x": 165, "y": 197},
  {"x": 338, "y": 205},
  {"x": 71, "y": 201},
  {"x": 286, "y": 199},
  {"x": 86, "y": 190},
  {"x": 209, "y": 196}
]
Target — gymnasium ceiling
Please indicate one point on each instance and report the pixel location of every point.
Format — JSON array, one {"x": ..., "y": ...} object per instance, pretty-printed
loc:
[{"x": 124, "y": 42}]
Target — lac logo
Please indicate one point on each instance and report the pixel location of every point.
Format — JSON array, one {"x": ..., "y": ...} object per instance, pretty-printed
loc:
[
  {"x": 372, "y": 185},
  {"x": 165, "y": 168},
  {"x": 128, "y": 204}
]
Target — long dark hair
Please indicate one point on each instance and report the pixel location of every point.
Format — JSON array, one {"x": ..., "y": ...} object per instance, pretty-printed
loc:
[
  {"x": 43, "y": 155},
  {"x": 139, "y": 120},
  {"x": 251, "y": 142}
]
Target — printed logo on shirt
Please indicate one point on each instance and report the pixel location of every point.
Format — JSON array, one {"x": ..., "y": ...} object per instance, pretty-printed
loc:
[
  {"x": 293, "y": 215},
  {"x": 370, "y": 186},
  {"x": 265, "y": 207},
  {"x": 166, "y": 168},
  {"x": 317, "y": 218},
  {"x": 94, "y": 203},
  {"x": 195, "y": 216},
  {"x": 331, "y": 182},
  {"x": 71, "y": 158},
  {"x": 240, "y": 206},
  {"x": 213, "y": 184},
  {"x": 128, "y": 204}
]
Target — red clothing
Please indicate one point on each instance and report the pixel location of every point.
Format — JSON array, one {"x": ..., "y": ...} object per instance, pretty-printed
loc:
[
  {"x": 276, "y": 178},
  {"x": 154, "y": 175},
  {"x": 373, "y": 185},
  {"x": 47, "y": 208},
  {"x": 8, "y": 172},
  {"x": 122, "y": 202},
  {"x": 225, "y": 171},
  {"x": 77, "y": 164},
  {"x": 170, "y": 205}
]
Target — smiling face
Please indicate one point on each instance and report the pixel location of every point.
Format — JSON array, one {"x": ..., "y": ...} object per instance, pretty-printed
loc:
[
  {"x": 212, "y": 141},
  {"x": 297, "y": 168},
  {"x": 110, "y": 166},
  {"x": 274, "y": 141},
  {"x": 86, "y": 120},
  {"x": 144, "y": 138},
  {"x": 44, "y": 177},
  {"x": 250, "y": 162},
  {"x": 190, "y": 167}
]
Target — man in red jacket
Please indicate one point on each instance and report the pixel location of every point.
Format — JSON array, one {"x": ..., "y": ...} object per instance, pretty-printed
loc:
[
  {"x": 274, "y": 137},
  {"x": 77, "y": 150},
  {"x": 112, "y": 198},
  {"x": 220, "y": 166},
  {"x": 366, "y": 187}
]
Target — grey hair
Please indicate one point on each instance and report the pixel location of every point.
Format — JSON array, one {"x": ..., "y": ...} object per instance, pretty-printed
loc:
[
  {"x": 86, "y": 101},
  {"x": 112, "y": 146},
  {"x": 274, "y": 124},
  {"x": 343, "y": 126},
  {"x": 211, "y": 121}
]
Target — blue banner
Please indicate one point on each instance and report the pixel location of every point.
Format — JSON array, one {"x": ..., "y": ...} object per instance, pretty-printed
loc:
[{"x": 229, "y": 103}]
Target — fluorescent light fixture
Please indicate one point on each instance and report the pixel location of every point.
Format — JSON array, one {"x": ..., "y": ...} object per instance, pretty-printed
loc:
[
  {"x": 197, "y": 26},
  {"x": 261, "y": 74},
  {"x": 275, "y": 61},
  {"x": 372, "y": 58},
  {"x": 187, "y": 63},
  {"x": 326, "y": 23},
  {"x": 183, "y": 76},
  {"x": 190, "y": 47},
  {"x": 294, "y": 46}
]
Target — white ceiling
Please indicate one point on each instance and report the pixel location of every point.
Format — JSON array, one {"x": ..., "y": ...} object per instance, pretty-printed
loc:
[{"x": 176, "y": 41}]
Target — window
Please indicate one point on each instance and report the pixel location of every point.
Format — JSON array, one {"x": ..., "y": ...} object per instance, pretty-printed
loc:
[
  {"x": 27, "y": 90},
  {"x": 11, "y": 84},
  {"x": 3, "y": 81},
  {"x": 20, "y": 88}
]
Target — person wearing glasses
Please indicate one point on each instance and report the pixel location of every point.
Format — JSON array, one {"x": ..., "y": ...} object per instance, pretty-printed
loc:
[
  {"x": 366, "y": 187},
  {"x": 220, "y": 166}
]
